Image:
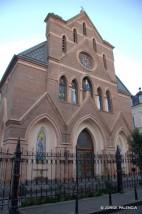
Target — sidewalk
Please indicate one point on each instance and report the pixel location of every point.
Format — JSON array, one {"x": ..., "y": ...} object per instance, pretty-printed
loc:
[{"x": 86, "y": 206}]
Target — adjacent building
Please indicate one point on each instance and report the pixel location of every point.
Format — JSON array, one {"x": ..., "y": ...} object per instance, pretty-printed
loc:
[{"x": 137, "y": 110}]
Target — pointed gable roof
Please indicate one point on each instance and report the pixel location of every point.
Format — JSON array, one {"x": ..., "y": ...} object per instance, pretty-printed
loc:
[
  {"x": 39, "y": 53},
  {"x": 73, "y": 19},
  {"x": 83, "y": 13}
]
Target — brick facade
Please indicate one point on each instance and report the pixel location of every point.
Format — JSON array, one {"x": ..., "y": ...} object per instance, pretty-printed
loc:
[{"x": 30, "y": 91}]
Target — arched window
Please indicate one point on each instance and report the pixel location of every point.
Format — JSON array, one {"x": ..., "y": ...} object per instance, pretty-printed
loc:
[
  {"x": 87, "y": 86},
  {"x": 94, "y": 45},
  {"x": 84, "y": 29},
  {"x": 75, "y": 35},
  {"x": 108, "y": 102},
  {"x": 74, "y": 92},
  {"x": 99, "y": 99},
  {"x": 62, "y": 88},
  {"x": 104, "y": 61},
  {"x": 64, "y": 44},
  {"x": 41, "y": 146}
]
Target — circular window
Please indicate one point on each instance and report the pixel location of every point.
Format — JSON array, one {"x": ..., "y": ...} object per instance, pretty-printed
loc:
[{"x": 86, "y": 60}]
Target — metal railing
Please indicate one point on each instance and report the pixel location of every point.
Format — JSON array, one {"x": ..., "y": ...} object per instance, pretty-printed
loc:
[{"x": 26, "y": 179}]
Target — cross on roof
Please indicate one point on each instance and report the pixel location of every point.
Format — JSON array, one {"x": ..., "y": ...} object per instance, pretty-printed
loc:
[{"x": 82, "y": 8}]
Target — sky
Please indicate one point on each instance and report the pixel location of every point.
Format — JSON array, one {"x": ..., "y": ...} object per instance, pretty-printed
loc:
[{"x": 118, "y": 21}]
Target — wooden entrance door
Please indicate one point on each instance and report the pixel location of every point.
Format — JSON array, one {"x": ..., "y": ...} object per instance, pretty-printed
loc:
[{"x": 85, "y": 154}]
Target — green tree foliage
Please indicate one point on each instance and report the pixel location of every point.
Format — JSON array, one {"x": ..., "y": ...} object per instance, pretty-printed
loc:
[{"x": 135, "y": 142}]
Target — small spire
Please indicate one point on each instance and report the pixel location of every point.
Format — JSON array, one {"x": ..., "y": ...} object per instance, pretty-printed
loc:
[{"x": 139, "y": 88}]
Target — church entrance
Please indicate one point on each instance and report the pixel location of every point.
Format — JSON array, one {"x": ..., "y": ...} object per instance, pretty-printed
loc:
[{"x": 85, "y": 153}]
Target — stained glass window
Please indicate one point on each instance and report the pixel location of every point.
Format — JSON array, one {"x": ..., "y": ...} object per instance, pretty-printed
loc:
[
  {"x": 74, "y": 92},
  {"x": 86, "y": 60},
  {"x": 62, "y": 88},
  {"x": 41, "y": 146},
  {"x": 86, "y": 85},
  {"x": 99, "y": 99}
]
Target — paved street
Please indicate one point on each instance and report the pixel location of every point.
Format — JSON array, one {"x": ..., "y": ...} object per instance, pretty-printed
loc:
[{"x": 89, "y": 205}]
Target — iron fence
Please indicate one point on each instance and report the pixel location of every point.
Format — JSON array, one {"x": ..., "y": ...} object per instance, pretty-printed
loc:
[{"x": 26, "y": 179}]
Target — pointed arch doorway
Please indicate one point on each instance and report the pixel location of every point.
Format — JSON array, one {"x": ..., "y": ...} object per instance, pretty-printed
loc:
[{"x": 85, "y": 155}]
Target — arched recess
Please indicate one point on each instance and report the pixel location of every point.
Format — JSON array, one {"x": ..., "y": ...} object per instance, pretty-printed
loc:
[
  {"x": 97, "y": 143},
  {"x": 74, "y": 92},
  {"x": 85, "y": 154},
  {"x": 87, "y": 87},
  {"x": 108, "y": 101},
  {"x": 51, "y": 132},
  {"x": 75, "y": 35},
  {"x": 84, "y": 29},
  {"x": 99, "y": 99},
  {"x": 95, "y": 130},
  {"x": 62, "y": 88},
  {"x": 121, "y": 142},
  {"x": 64, "y": 44},
  {"x": 42, "y": 137},
  {"x": 104, "y": 61},
  {"x": 94, "y": 45}
]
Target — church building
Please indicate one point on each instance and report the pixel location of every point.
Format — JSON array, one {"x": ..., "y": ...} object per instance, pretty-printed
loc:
[{"x": 64, "y": 93}]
